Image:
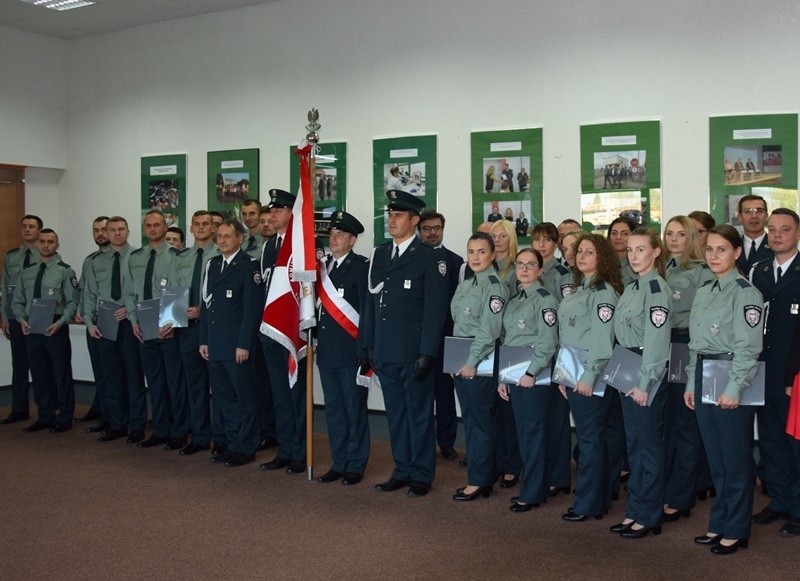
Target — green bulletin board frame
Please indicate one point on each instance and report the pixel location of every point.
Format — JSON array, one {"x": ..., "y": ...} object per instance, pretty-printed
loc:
[
  {"x": 164, "y": 188},
  {"x": 634, "y": 147},
  {"x": 330, "y": 162},
  {"x": 416, "y": 158},
  {"x": 512, "y": 150},
  {"x": 232, "y": 178},
  {"x": 766, "y": 138}
]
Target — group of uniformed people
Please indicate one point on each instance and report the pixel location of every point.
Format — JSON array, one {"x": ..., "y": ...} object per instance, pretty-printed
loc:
[{"x": 388, "y": 315}]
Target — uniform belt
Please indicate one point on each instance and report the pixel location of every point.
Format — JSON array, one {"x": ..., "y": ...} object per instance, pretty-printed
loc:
[
  {"x": 194, "y": 322},
  {"x": 715, "y": 356},
  {"x": 638, "y": 350},
  {"x": 679, "y": 332}
]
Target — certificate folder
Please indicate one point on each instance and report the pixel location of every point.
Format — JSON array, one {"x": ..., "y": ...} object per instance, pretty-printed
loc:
[
  {"x": 623, "y": 369},
  {"x": 678, "y": 361},
  {"x": 173, "y": 307},
  {"x": 41, "y": 315},
  {"x": 716, "y": 377},
  {"x": 106, "y": 321},
  {"x": 147, "y": 313},
  {"x": 514, "y": 362},
  {"x": 456, "y": 352},
  {"x": 569, "y": 368}
]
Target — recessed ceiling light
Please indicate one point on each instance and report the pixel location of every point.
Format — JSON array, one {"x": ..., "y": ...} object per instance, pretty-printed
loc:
[{"x": 60, "y": 4}]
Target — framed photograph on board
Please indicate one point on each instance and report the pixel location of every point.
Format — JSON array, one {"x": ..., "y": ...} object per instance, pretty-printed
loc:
[
  {"x": 232, "y": 179},
  {"x": 164, "y": 188},
  {"x": 329, "y": 186}
]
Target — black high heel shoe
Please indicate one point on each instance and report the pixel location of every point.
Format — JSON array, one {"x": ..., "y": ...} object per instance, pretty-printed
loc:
[
  {"x": 720, "y": 549},
  {"x": 518, "y": 506},
  {"x": 505, "y": 483},
  {"x": 554, "y": 490},
  {"x": 706, "y": 492},
  {"x": 673, "y": 516},
  {"x": 621, "y": 527},
  {"x": 641, "y": 533},
  {"x": 707, "y": 540},
  {"x": 483, "y": 491},
  {"x": 575, "y": 517}
]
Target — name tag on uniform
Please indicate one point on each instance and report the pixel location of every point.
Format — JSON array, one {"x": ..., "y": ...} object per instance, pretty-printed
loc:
[
  {"x": 163, "y": 282},
  {"x": 793, "y": 309},
  {"x": 406, "y": 284},
  {"x": 229, "y": 293},
  {"x": 340, "y": 291}
]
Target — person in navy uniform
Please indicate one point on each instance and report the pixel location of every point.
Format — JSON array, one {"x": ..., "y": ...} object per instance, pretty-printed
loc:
[
  {"x": 778, "y": 279},
  {"x": 337, "y": 353},
  {"x": 755, "y": 244},
  {"x": 401, "y": 333},
  {"x": 230, "y": 314},
  {"x": 431, "y": 230}
]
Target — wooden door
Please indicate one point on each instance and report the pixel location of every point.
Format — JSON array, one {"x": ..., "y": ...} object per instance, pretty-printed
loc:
[{"x": 12, "y": 207}]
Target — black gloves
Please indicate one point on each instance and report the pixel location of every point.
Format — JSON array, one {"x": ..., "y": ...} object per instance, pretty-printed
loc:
[
  {"x": 422, "y": 367},
  {"x": 365, "y": 361}
]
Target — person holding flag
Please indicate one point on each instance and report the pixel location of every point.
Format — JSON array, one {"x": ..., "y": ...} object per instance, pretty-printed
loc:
[{"x": 342, "y": 289}]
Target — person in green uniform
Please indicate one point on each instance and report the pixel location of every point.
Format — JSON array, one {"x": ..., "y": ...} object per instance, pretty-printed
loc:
[
  {"x": 726, "y": 322},
  {"x": 617, "y": 234},
  {"x": 569, "y": 244},
  {"x": 642, "y": 325},
  {"x": 477, "y": 311},
  {"x": 49, "y": 353},
  {"x": 530, "y": 319},
  {"x": 585, "y": 321},
  {"x": 686, "y": 458}
]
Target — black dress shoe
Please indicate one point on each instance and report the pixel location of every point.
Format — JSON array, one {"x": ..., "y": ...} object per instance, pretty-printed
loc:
[
  {"x": 720, "y": 549},
  {"x": 483, "y": 491},
  {"x": 673, "y": 516},
  {"x": 112, "y": 435},
  {"x": 152, "y": 441},
  {"x": 449, "y": 453},
  {"x": 523, "y": 506},
  {"x": 175, "y": 444},
  {"x": 508, "y": 483},
  {"x": 768, "y": 516},
  {"x": 135, "y": 436},
  {"x": 391, "y": 485},
  {"x": 707, "y": 540},
  {"x": 15, "y": 417},
  {"x": 236, "y": 459},
  {"x": 554, "y": 490},
  {"x": 193, "y": 448},
  {"x": 706, "y": 492},
  {"x": 418, "y": 488},
  {"x": 221, "y": 458},
  {"x": 330, "y": 476},
  {"x": 60, "y": 428},
  {"x": 90, "y": 416},
  {"x": 350, "y": 478},
  {"x": 620, "y": 527},
  {"x": 575, "y": 517},
  {"x": 791, "y": 528},
  {"x": 38, "y": 427},
  {"x": 266, "y": 443},
  {"x": 276, "y": 463},
  {"x": 219, "y": 449},
  {"x": 462, "y": 462},
  {"x": 633, "y": 533},
  {"x": 296, "y": 467},
  {"x": 98, "y": 427}
]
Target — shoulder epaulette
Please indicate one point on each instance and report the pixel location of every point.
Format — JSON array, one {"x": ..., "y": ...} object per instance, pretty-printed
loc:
[
  {"x": 600, "y": 286},
  {"x": 95, "y": 254},
  {"x": 561, "y": 269},
  {"x": 493, "y": 279},
  {"x": 138, "y": 250},
  {"x": 654, "y": 287},
  {"x": 12, "y": 251},
  {"x": 33, "y": 264},
  {"x": 704, "y": 265},
  {"x": 743, "y": 283},
  {"x": 543, "y": 292},
  {"x": 176, "y": 251},
  {"x": 253, "y": 259},
  {"x": 64, "y": 264},
  {"x": 183, "y": 250}
]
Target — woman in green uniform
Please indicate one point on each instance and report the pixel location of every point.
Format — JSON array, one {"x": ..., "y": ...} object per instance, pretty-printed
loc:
[
  {"x": 642, "y": 325},
  {"x": 617, "y": 234},
  {"x": 477, "y": 310},
  {"x": 585, "y": 321},
  {"x": 530, "y": 319},
  {"x": 726, "y": 322}
]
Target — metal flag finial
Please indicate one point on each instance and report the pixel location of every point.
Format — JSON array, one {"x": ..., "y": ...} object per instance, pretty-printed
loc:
[{"x": 313, "y": 126}]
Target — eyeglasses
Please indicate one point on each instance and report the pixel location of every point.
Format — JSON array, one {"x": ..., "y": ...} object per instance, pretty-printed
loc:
[
  {"x": 753, "y": 211},
  {"x": 526, "y": 265},
  {"x": 429, "y": 229}
]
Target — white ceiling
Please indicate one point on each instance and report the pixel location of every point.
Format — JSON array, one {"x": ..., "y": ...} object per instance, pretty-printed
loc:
[{"x": 107, "y": 15}]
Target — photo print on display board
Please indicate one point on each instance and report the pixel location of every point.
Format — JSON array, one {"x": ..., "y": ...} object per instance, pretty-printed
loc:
[
  {"x": 329, "y": 186},
  {"x": 163, "y": 188},
  {"x": 232, "y": 177}
]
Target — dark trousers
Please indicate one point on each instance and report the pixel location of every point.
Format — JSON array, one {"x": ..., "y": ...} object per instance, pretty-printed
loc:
[
  {"x": 726, "y": 438},
  {"x": 20, "y": 394},
  {"x": 409, "y": 413},
  {"x": 161, "y": 362},
  {"x": 445, "y": 397},
  {"x": 122, "y": 370},
  {"x": 51, "y": 371},
  {"x": 100, "y": 401},
  {"x": 644, "y": 432},
  {"x": 794, "y": 445},
  {"x": 290, "y": 402},
  {"x": 559, "y": 439},
  {"x": 683, "y": 450},
  {"x": 615, "y": 441},
  {"x": 263, "y": 393},
  {"x": 591, "y": 487},
  {"x": 507, "y": 447},
  {"x": 232, "y": 390},
  {"x": 478, "y": 399},
  {"x": 530, "y": 415},
  {"x": 776, "y": 451},
  {"x": 346, "y": 417},
  {"x": 195, "y": 374}
]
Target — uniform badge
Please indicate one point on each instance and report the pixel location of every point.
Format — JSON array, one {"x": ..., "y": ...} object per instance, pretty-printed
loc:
[
  {"x": 566, "y": 290},
  {"x": 442, "y": 266},
  {"x": 50, "y": 292},
  {"x": 407, "y": 284},
  {"x": 521, "y": 324},
  {"x": 571, "y": 322},
  {"x": 340, "y": 292},
  {"x": 658, "y": 316},
  {"x": 752, "y": 315},
  {"x": 627, "y": 321},
  {"x": 163, "y": 282},
  {"x": 496, "y": 304},
  {"x": 550, "y": 317},
  {"x": 467, "y": 311},
  {"x": 257, "y": 278},
  {"x": 794, "y": 309},
  {"x": 715, "y": 329},
  {"x": 229, "y": 293},
  {"x": 73, "y": 280},
  {"x": 392, "y": 195},
  {"x": 676, "y": 295},
  {"x": 605, "y": 311}
]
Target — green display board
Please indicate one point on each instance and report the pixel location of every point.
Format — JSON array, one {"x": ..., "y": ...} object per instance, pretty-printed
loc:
[
  {"x": 621, "y": 174},
  {"x": 415, "y": 161},
  {"x": 232, "y": 178},
  {"x": 329, "y": 185},
  {"x": 507, "y": 178},
  {"x": 752, "y": 154},
  {"x": 164, "y": 188}
]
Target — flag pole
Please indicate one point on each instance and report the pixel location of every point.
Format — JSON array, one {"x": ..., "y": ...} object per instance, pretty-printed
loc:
[{"x": 313, "y": 138}]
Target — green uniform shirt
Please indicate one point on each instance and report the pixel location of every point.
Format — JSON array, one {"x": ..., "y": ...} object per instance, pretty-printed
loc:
[
  {"x": 252, "y": 244},
  {"x": 98, "y": 281},
  {"x": 477, "y": 310},
  {"x": 530, "y": 318},
  {"x": 557, "y": 279},
  {"x": 684, "y": 284},
  {"x": 727, "y": 317},
  {"x": 510, "y": 278},
  {"x": 643, "y": 320},
  {"x": 585, "y": 321},
  {"x": 11, "y": 268},
  {"x": 628, "y": 276},
  {"x": 163, "y": 274},
  {"x": 84, "y": 270},
  {"x": 184, "y": 266},
  {"x": 59, "y": 282}
]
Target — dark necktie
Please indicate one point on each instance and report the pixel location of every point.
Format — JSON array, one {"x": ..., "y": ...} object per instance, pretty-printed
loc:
[
  {"x": 224, "y": 264},
  {"x": 27, "y": 261},
  {"x": 752, "y": 250},
  {"x": 396, "y": 253},
  {"x": 194, "y": 291},
  {"x": 278, "y": 243},
  {"x": 780, "y": 274},
  {"x": 334, "y": 266},
  {"x": 37, "y": 286},
  {"x": 672, "y": 263},
  {"x": 116, "y": 283},
  {"x": 715, "y": 286},
  {"x": 474, "y": 281},
  {"x": 148, "y": 275},
  {"x": 636, "y": 285},
  {"x": 523, "y": 295}
]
